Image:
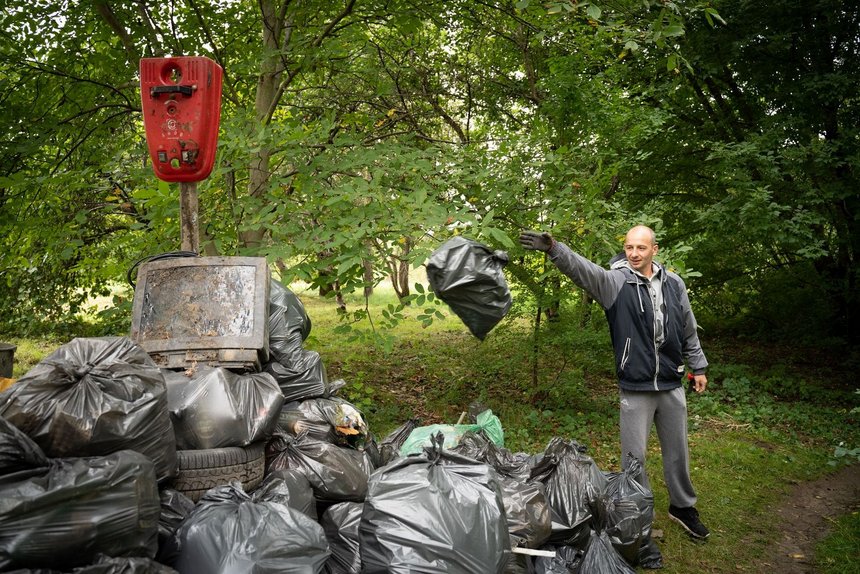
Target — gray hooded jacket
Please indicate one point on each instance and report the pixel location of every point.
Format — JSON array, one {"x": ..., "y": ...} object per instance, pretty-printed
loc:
[{"x": 650, "y": 347}]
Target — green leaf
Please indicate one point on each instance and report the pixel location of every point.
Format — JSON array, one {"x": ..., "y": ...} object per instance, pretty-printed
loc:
[
  {"x": 673, "y": 30},
  {"x": 593, "y": 12},
  {"x": 671, "y": 62}
]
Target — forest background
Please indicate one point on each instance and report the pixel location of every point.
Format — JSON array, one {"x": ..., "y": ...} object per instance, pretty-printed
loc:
[{"x": 356, "y": 136}]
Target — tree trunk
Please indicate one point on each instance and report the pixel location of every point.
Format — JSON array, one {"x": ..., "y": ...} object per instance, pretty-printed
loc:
[{"x": 267, "y": 95}]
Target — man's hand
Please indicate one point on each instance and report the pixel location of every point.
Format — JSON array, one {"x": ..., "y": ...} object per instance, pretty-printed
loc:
[
  {"x": 699, "y": 383},
  {"x": 537, "y": 241}
]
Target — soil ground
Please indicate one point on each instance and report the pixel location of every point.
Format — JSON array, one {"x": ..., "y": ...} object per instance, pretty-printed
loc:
[{"x": 804, "y": 518}]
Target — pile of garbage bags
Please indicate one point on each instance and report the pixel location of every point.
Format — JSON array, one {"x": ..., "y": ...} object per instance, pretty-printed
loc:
[{"x": 88, "y": 450}]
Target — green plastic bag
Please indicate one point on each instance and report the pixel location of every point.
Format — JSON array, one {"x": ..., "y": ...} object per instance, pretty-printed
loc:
[{"x": 486, "y": 421}]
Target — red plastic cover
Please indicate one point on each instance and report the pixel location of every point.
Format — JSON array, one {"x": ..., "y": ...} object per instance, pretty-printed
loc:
[{"x": 181, "y": 99}]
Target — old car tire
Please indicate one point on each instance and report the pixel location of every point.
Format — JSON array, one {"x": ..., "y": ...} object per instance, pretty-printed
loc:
[{"x": 200, "y": 470}]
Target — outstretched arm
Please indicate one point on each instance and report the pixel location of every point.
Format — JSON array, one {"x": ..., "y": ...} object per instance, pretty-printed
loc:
[{"x": 602, "y": 284}]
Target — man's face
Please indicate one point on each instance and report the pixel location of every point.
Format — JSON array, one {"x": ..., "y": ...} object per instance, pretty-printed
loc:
[{"x": 639, "y": 247}]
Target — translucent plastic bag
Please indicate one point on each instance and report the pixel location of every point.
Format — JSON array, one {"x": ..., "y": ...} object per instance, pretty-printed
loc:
[
  {"x": 230, "y": 532},
  {"x": 435, "y": 512},
  {"x": 217, "y": 408},
  {"x": 468, "y": 277},
  {"x": 486, "y": 422},
  {"x": 94, "y": 397}
]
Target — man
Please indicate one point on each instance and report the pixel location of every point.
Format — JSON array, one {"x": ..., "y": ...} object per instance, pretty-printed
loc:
[{"x": 653, "y": 333}]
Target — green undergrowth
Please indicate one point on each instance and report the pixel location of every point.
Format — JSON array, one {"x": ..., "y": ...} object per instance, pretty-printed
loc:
[{"x": 772, "y": 416}]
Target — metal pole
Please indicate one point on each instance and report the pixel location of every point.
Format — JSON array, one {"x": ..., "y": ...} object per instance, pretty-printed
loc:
[{"x": 189, "y": 229}]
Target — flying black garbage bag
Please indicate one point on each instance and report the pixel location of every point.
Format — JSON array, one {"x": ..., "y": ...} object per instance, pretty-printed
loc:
[
  {"x": 573, "y": 486},
  {"x": 629, "y": 525},
  {"x": 340, "y": 523},
  {"x": 468, "y": 277},
  {"x": 289, "y": 324},
  {"x": 337, "y": 474},
  {"x": 218, "y": 408},
  {"x": 434, "y": 512},
  {"x": 231, "y": 532},
  {"x": 333, "y": 420},
  {"x": 94, "y": 397},
  {"x": 61, "y": 513}
]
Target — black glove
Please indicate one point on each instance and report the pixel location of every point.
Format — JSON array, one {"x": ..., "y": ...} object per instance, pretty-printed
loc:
[{"x": 536, "y": 241}]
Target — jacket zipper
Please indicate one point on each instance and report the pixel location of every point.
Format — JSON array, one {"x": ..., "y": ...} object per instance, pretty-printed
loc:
[
  {"x": 625, "y": 355},
  {"x": 656, "y": 350}
]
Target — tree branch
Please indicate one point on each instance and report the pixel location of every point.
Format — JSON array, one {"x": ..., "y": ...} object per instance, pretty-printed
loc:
[{"x": 106, "y": 12}]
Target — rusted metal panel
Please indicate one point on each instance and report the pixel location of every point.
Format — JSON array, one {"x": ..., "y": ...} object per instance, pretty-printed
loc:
[{"x": 210, "y": 310}]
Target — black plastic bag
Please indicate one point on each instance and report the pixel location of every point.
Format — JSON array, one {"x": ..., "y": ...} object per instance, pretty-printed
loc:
[
  {"x": 333, "y": 420},
  {"x": 109, "y": 565},
  {"x": 601, "y": 558},
  {"x": 567, "y": 560},
  {"x": 218, "y": 408},
  {"x": 434, "y": 512},
  {"x": 573, "y": 487},
  {"x": 527, "y": 512},
  {"x": 93, "y": 397},
  {"x": 301, "y": 376},
  {"x": 231, "y": 532},
  {"x": 389, "y": 447},
  {"x": 18, "y": 452},
  {"x": 290, "y": 488},
  {"x": 175, "y": 508},
  {"x": 526, "y": 508},
  {"x": 66, "y": 513},
  {"x": 340, "y": 523},
  {"x": 289, "y": 324},
  {"x": 337, "y": 474},
  {"x": 628, "y": 524},
  {"x": 468, "y": 277},
  {"x": 478, "y": 446}
]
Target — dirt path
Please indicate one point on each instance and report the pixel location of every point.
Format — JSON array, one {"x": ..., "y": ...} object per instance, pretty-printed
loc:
[{"x": 803, "y": 519}]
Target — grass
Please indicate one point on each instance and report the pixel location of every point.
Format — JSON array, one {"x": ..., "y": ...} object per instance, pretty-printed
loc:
[
  {"x": 839, "y": 552},
  {"x": 770, "y": 419}
]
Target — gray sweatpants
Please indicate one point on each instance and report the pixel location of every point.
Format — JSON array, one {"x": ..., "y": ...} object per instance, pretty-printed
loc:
[{"x": 668, "y": 411}]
